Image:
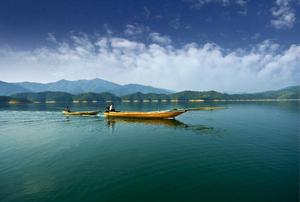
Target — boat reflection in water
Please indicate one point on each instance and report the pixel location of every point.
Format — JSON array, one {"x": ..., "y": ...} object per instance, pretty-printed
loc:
[
  {"x": 164, "y": 122},
  {"x": 172, "y": 123}
]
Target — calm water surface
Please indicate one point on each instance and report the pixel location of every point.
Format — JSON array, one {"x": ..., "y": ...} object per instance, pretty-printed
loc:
[{"x": 247, "y": 152}]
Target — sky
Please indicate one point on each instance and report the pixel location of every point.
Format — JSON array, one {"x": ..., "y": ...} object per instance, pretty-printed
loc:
[{"x": 223, "y": 45}]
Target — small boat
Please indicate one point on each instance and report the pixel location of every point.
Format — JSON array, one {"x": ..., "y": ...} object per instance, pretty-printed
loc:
[
  {"x": 81, "y": 113},
  {"x": 146, "y": 115}
]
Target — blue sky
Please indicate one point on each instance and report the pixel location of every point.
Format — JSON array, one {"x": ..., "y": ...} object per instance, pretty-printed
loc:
[{"x": 226, "y": 45}]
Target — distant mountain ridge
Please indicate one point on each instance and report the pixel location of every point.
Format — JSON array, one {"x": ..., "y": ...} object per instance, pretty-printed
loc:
[
  {"x": 77, "y": 87},
  {"x": 10, "y": 88},
  {"x": 74, "y": 87},
  {"x": 134, "y": 88},
  {"x": 292, "y": 92},
  {"x": 91, "y": 90}
]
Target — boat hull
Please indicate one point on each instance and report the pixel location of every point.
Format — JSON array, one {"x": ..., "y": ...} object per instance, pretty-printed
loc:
[
  {"x": 145, "y": 115},
  {"x": 81, "y": 113}
]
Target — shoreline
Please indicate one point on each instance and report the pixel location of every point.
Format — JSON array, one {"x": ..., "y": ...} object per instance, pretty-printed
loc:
[{"x": 14, "y": 102}]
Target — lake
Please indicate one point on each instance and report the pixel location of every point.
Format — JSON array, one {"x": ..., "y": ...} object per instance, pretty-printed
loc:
[{"x": 246, "y": 152}]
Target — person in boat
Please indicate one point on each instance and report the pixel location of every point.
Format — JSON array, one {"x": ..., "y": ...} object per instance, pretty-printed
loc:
[
  {"x": 67, "y": 109},
  {"x": 111, "y": 108}
]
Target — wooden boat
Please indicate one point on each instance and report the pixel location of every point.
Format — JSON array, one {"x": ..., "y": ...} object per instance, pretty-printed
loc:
[
  {"x": 146, "y": 115},
  {"x": 81, "y": 113}
]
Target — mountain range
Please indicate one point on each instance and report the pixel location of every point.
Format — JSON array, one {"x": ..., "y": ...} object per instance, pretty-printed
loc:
[
  {"x": 102, "y": 90},
  {"x": 292, "y": 92},
  {"x": 77, "y": 87}
]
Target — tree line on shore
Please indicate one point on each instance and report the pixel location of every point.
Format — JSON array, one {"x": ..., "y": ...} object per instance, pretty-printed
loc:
[{"x": 44, "y": 97}]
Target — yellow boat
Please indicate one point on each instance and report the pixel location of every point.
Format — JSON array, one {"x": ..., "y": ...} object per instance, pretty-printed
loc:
[
  {"x": 146, "y": 115},
  {"x": 80, "y": 113}
]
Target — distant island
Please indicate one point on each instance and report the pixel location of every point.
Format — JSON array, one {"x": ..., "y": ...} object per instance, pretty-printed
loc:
[{"x": 289, "y": 93}]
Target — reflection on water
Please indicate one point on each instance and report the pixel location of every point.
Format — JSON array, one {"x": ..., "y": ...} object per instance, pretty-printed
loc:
[
  {"x": 203, "y": 129},
  {"x": 45, "y": 156},
  {"x": 164, "y": 122},
  {"x": 172, "y": 123},
  {"x": 112, "y": 121}
]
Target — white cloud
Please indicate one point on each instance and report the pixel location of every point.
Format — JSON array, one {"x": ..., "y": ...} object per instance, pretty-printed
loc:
[
  {"x": 283, "y": 14},
  {"x": 107, "y": 29},
  {"x": 158, "y": 38},
  {"x": 198, "y": 4},
  {"x": 51, "y": 38},
  {"x": 193, "y": 66},
  {"x": 241, "y": 2},
  {"x": 175, "y": 23},
  {"x": 135, "y": 29},
  {"x": 256, "y": 36},
  {"x": 146, "y": 12},
  {"x": 120, "y": 43}
]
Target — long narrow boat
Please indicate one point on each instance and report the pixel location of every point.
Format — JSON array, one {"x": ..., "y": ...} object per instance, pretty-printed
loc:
[
  {"x": 81, "y": 113},
  {"x": 146, "y": 115}
]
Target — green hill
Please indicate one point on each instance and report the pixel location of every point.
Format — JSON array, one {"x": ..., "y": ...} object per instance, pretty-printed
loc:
[
  {"x": 96, "y": 97},
  {"x": 11, "y": 100},
  {"x": 196, "y": 95},
  {"x": 10, "y": 88},
  {"x": 148, "y": 96},
  {"x": 45, "y": 97},
  {"x": 292, "y": 92},
  {"x": 286, "y": 93}
]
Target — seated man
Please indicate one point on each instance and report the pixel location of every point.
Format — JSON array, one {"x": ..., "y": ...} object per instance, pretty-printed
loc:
[
  {"x": 67, "y": 109},
  {"x": 111, "y": 108}
]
